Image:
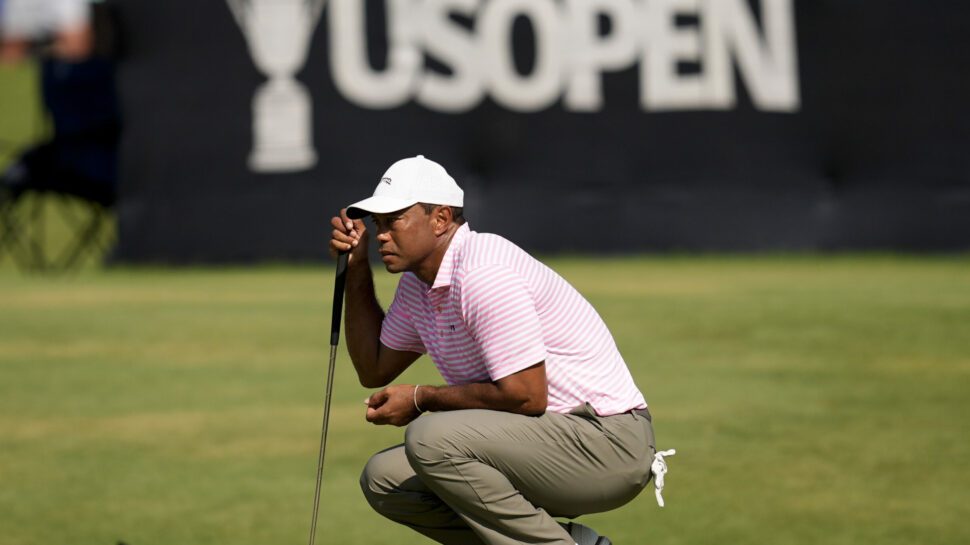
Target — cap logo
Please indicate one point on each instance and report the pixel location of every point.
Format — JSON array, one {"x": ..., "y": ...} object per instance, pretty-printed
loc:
[{"x": 386, "y": 181}]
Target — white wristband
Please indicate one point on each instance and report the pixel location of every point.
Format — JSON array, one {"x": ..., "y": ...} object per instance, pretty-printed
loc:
[{"x": 416, "y": 399}]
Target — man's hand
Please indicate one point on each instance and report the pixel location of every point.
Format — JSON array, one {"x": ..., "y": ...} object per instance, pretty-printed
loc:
[
  {"x": 348, "y": 236},
  {"x": 524, "y": 392},
  {"x": 393, "y": 405}
]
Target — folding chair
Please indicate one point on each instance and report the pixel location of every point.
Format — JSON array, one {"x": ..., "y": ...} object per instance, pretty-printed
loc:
[
  {"x": 72, "y": 172},
  {"x": 34, "y": 187},
  {"x": 37, "y": 242}
]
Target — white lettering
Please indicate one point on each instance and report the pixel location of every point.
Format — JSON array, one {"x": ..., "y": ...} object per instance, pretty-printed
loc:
[
  {"x": 352, "y": 73},
  {"x": 533, "y": 91},
  {"x": 666, "y": 45},
  {"x": 457, "y": 49},
  {"x": 686, "y": 51},
  {"x": 588, "y": 54},
  {"x": 769, "y": 66}
]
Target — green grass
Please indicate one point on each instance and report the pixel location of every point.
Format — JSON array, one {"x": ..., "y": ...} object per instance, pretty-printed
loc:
[
  {"x": 811, "y": 400},
  {"x": 20, "y": 118}
]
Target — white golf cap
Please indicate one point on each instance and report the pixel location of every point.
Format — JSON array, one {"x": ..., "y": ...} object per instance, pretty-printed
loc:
[{"x": 408, "y": 182}]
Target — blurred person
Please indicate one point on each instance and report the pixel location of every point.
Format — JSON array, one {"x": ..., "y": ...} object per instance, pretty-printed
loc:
[
  {"x": 74, "y": 43},
  {"x": 60, "y": 28},
  {"x": 539, "y": 417}
]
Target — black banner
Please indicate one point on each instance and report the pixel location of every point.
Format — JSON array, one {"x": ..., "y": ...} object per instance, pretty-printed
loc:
[{"x": 572, "y": 125}]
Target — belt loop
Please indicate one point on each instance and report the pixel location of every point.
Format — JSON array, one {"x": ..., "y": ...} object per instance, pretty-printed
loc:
[{"x": 644, "y": 413}]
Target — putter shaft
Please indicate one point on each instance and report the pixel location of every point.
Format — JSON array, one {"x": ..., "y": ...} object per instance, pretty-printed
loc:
[
  {"x": 338, "y": 305},
  {"x": 323, "y": 442}
]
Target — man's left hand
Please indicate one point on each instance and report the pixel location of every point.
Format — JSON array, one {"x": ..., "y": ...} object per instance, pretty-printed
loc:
[{"x": 393, "y": 405}]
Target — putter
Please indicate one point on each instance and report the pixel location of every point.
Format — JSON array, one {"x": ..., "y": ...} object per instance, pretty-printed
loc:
[{"x": 338, "y": 305}]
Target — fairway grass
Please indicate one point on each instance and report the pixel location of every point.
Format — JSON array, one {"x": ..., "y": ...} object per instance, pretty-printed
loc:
[{"x": 810, "y": 400}]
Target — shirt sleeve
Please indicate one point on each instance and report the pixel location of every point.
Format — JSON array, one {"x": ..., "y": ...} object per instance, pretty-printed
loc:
[
  {"x": 500, "y": 313},
  {"x": 72, "y": 13},
  {"x": 31, "y": 19},
  {"x": 397, "y": 330}
]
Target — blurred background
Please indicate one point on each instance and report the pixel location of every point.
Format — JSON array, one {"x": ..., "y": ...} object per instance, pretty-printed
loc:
[
  {"x": 232, "y": 135},
  {"x": 767, "y": 200}
]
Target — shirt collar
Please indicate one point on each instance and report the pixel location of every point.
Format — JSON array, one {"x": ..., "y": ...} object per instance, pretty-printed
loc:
[{"x": 452, "y": 258}]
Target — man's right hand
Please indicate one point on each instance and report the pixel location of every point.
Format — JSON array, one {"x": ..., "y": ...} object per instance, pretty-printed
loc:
[{"x": 348, "y": 236}]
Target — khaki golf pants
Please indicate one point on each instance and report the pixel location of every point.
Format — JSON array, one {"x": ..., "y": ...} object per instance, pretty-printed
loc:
[{"x": 488, "y": 477}]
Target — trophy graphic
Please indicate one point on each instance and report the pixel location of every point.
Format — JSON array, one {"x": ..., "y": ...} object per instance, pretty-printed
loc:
[{"x": 278, "y": 33}]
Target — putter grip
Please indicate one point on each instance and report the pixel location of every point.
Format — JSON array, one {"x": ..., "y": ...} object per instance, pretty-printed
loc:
[{"x": 338, "y": 297}]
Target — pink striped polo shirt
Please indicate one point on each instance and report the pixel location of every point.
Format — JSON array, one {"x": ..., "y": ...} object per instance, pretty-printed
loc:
[{"x": 494, "y": 310}]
